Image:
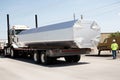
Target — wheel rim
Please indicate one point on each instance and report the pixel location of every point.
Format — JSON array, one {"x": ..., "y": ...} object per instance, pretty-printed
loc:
[
  {"x": 5, "y": 52},
  {"x": 43, "y": 58},
  {"x": 35, "y": 57},
  {"x": 12, "y": 53}
]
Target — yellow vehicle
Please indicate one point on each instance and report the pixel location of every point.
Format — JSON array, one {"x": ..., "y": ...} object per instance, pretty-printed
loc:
[{"x": 105, "y": 45}]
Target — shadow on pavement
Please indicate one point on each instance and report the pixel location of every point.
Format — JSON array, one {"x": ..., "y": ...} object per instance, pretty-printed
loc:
[
  {"x": 59, "y": 63},
  {"x": 56, "y": 63},
  {"x": 95, "y": 55}
]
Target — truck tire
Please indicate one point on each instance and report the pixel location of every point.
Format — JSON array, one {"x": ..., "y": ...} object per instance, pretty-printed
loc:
[
  {"x": 12, "y": 53},
  {"x": 44, "y": 59},
  {"x": 71, "y": 59},
  {"x": 99, "y": 51},
  {"x": 5, "y": 52},
  {"x": 36, "y": 57},
  {"x": 76, "y": 58}
]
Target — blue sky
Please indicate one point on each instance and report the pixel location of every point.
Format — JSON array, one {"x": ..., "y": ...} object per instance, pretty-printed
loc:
[{"x": 105, "y": 12}]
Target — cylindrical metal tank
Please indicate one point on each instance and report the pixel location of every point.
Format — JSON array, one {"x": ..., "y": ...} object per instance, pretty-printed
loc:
[{"x": 70, "y": 34}]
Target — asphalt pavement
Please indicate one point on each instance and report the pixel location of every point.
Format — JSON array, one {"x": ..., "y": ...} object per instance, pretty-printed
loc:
[{"x": 91, "y": 67}]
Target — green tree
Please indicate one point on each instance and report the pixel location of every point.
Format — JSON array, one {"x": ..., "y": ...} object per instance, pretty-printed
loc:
[{"x": 116, "y": 34}]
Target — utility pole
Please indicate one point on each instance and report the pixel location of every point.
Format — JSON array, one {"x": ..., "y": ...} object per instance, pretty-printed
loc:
[
  {"x": 74, "y": 16},
  {"x": 81, "y": 17}
]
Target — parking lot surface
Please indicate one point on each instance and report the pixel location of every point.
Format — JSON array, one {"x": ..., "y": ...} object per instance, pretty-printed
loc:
[{"x": 91, "y": 67}]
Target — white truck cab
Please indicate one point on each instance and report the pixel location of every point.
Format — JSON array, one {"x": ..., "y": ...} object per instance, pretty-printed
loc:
[{"x": 14, "y": 31}]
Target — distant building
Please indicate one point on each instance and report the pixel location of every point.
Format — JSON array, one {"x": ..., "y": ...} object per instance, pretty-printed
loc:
[
  {"x": 2, "y": 42},
  {"x": 104, "y": 35}
]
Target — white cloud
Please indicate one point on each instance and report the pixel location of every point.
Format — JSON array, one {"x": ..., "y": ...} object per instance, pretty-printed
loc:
[{"x": 119, "y": 14}]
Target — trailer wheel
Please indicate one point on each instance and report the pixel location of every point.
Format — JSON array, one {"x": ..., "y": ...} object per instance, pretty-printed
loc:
[
  {"x": 68, "y": 59},
  {"x": 99, "y": 51},
  {"x": 36, "y": 57},
  {"x": 71, "y": 59},
  {"x": 12, "y": 53},
  {"x": 5, "y": 52},
  {"x": 44, "y": 58},
  {"x": 76, "y": 58}
]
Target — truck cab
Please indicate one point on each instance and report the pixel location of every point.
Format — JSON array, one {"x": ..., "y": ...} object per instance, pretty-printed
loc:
[
  {"x": 13, "y": 39},
  {"x": 14, "y": 31}
]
